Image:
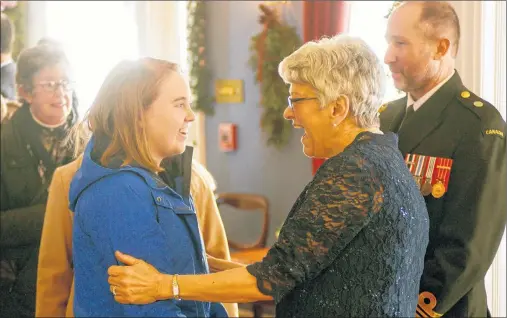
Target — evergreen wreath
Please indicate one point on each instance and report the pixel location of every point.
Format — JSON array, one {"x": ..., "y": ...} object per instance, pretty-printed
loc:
[
  {"x": 200, "y": 74},
  {"x": 268, "y": 48}
]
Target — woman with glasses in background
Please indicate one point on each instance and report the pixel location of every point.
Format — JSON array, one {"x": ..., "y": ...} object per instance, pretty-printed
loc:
[{"x": 33, "y": 145}]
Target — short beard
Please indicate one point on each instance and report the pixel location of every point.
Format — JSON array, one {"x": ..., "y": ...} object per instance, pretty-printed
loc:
[{"x": 428, "y": 74}]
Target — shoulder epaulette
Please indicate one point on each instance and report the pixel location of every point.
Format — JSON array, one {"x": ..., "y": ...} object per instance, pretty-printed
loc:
[
  {"x": 383, "y": 107},
  {"x": 477, "y": 105},
  {"x": 491, "y": 120}
]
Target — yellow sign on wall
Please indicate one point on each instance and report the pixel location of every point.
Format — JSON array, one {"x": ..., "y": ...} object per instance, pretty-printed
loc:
[{"x": 229, "y": 91}]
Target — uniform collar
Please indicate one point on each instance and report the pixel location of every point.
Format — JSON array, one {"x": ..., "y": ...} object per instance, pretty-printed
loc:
[
  {"x": 417, "y": 104},
  {"x": 429, "y": 117}
]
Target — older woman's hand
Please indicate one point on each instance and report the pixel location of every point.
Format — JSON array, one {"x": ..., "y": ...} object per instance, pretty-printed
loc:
[{"x": 136, "y": 283}]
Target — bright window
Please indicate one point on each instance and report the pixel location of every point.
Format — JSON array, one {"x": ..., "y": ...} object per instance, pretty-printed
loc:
[
  {"x": 96, "y": 35},
  {"x": 367, "y": 20},
  {"x": 493, "y": 57},
  {"x": 183, "y": 34}
]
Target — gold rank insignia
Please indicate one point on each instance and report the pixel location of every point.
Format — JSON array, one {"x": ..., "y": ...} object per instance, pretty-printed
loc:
[
  {"x": 430, "y": 173},
  {"x": 426, "y": 305},
  {"x": 478, "y": 103},
  {"x": 465, "y": 94},
  {"x": 382, "y": 108}
]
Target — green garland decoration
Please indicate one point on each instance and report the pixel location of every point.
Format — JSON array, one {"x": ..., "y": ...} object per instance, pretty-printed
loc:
[
  {"x": 268, "y": 48},
  {"x": 17, "y": 15},
  {"x": 200, "y": 73}
]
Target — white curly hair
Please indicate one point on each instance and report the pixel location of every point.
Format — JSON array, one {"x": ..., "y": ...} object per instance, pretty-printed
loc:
[{"x": 341, "y": 65}]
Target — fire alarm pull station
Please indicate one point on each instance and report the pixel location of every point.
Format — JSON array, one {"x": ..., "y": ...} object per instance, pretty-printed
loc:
[{"x": 227, "y": 137}]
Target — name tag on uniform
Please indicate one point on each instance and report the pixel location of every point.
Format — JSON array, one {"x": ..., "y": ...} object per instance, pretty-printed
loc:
[{"x": 430, "y": 173}]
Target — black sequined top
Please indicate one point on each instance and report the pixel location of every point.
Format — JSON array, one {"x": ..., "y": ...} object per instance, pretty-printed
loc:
[{"x": 353, "y": 244}]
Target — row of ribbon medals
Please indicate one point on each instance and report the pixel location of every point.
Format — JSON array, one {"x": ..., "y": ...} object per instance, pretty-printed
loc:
[{"x": 430, "y": 173}]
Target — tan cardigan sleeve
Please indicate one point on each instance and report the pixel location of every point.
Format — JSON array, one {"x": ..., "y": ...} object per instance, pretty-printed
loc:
[
  {"x": 55, "y": 274},
  {"x": 210, "y": 222},
  {"x": 208, "y": 216}
]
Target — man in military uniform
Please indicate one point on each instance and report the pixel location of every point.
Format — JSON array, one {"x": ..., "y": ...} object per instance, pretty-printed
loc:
[{"x": 441, "y": 118}]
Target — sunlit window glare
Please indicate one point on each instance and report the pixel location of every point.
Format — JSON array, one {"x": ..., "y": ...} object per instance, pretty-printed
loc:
[
  {"x": 367, "y": 20},
  {"x": 96, "y": 35}
]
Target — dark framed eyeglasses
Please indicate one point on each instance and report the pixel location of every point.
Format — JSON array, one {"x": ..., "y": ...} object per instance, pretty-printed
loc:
[
  {"x": 300, "y": 99},
  {"x": 52, "y": 86}
]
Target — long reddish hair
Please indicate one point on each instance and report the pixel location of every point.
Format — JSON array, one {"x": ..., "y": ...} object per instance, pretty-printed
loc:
[{"x": 117, "y": 112}]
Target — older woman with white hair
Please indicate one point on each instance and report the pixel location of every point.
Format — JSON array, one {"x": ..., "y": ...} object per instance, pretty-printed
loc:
[{"x": 353, "y": 243}]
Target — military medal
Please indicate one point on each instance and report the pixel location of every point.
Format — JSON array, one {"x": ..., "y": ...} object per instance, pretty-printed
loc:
[
  {"x": 439, "y": 188},
  {"x": 418, "y": 170},
  {"x": 426, "y": 188},
  {"x": 415, "y": 164},
  {"x": 410, "y": 161}
]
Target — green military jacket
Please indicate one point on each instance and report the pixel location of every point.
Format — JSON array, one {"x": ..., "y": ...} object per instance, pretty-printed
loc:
[{"x": 468, "y": 220}]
